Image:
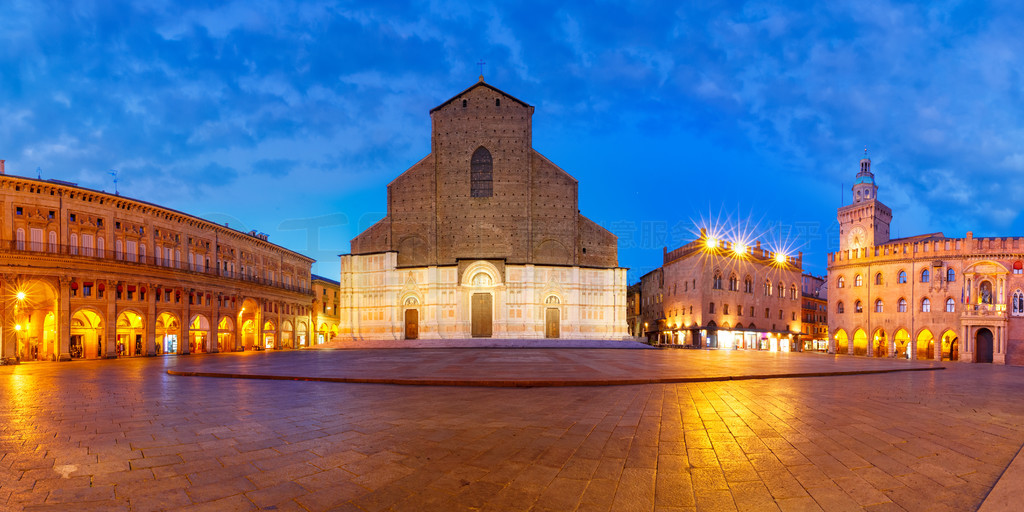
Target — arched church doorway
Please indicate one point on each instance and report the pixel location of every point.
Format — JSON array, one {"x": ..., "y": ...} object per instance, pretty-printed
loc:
[
  {"x": 412, "y": 324},
  {"x": 552, "y": 318},
  {"x": 482, "y": 315},
  {"x": 983, "y": 346}
]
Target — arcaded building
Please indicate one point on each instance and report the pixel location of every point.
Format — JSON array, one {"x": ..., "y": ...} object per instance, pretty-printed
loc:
[
  {"x": 87, "y": 274},
  {"x": 922, "y": 297},
  {"x": 720, "y": 293},
  {"x": 325, "y": 309},
  {"x": 483, "y": 238}
]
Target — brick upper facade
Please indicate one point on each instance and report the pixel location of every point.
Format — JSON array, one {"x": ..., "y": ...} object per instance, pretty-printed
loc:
[{"x": 436, "y": 216}]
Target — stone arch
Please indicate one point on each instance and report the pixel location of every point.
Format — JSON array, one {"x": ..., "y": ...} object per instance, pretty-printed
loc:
[
  {"x": 925, "y": 348},
  {"x": 413, "y": 251},
  {"x": 842, "y": 342},
  {"x": 860, "y": 342},
  {"x": 86, "y": 334},
  {"x": 950, "y": 346},
  {"x": 225, "y": 334},
  {"x": 30, "y": 306},
  {"x": 198, "y": 334},
  {"x": 984, "y": 345},
  {"x": 269, "y": 339},
  {"x": 552, "y": 252},
  {"x": 130, "y": 333},
  {"x": 249, "y": 320},
  {"x": 287, "y": 334},
  {"x": 879, "y": 345},
  {"x": 301, "y": 333},
  {"x": 901, "y": 343},
  {"x": 168, "y": 331},
  {"x": 481, "y": 267}
]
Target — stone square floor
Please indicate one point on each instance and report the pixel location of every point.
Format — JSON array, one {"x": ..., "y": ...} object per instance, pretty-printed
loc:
[{"x": 513, "y": 429}]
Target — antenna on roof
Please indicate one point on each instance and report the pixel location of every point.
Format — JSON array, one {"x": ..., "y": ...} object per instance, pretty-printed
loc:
[
  {"x": 113, "y": 172},
  {"x": 39, "y": 173}
]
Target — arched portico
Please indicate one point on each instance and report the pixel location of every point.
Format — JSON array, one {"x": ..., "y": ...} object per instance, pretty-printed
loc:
[
  {"x": 86, "y": 334},
  {"x": 925, "y": 345},
  {"x": 225, "y": 334},
  {"x": 860, "y": 343},
  {"x": 249, "y": 318},
  {"x": 287, "y": 334},
  {"x": 29, "y": 327},
  {"x": 950, "y": 346},
  {"x": 199, "y": 334},
  {"x": 269, "y": 339},
  {"x": 880, "y": 344},
  {"x": 168, "y": 333},
  {"x": 131, "y": 334},
  {"x": 901, "y": 342},
  {"x": 842, "y": 342}
]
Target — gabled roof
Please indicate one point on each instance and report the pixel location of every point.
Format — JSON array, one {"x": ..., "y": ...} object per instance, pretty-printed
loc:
[{"x": 481, "y": 83}]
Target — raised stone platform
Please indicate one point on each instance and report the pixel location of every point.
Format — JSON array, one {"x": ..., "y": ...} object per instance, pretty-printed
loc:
[{"x": 481, "y": 343}]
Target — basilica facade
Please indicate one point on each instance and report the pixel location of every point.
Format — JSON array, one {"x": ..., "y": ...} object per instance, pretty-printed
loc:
[
  {"x": 482, "y": 238},
  {"x": 922, "y": 297}
]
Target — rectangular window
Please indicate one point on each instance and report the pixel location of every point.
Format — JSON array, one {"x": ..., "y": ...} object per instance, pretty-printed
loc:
[
  {"x": 17, "y": 210},
  {"x": 767, "y": 312},
  {"x": 725, "y": 309},
  {"x": 711, "y": 308},
  {"x": 87, "y": 290}
]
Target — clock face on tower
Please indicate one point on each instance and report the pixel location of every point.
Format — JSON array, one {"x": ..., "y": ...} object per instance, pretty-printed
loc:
[{"x": 857, "y": 238}]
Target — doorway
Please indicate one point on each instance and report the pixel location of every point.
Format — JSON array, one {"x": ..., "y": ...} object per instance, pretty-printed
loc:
[
  {"x": 551, "y": 323},
  {"x": 412, "y": 324},
  {"x": 481, "y": 315},
  {"x": 983, "y": 346}
]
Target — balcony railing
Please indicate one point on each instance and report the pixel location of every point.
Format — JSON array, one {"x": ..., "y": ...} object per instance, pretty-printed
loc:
[
  {"x": 985, "y": 310},
  {"x": 156, "y": 261}
]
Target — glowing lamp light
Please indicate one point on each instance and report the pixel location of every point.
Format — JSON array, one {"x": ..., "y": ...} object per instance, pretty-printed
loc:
[
  {"x": 21, "y": 295},
  {"x": 17, "y": 327},
  {"x": 711, "y": 242},
  {"x": 780, "y": 257}
]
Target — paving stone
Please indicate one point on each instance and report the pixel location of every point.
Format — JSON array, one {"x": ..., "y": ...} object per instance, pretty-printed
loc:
[{"x": 101, "y": 441}]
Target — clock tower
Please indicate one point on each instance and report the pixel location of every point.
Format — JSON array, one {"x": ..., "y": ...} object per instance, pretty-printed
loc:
[{"x": 865, "y": 222}]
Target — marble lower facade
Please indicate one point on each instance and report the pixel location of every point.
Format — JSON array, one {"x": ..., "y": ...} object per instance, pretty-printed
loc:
[{"x": 478, "y": 298}]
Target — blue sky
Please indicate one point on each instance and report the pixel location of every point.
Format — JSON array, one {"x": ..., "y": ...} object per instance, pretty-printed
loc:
[{"x": 292, "y": 117}]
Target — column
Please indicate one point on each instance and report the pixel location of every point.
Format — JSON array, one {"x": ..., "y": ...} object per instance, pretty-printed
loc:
[
  {"x": 151, "y": 319},
  {"x": 214, "y": 323},
  {"x": 110, "y": 320},
  {"x": 278, "y": 342},
  {"x": 63, "y": 312},
  {"x": 186, "y": 321}
]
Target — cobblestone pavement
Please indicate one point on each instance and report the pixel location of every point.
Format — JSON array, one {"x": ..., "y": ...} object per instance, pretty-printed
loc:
[{"x": 125, "y": 435}]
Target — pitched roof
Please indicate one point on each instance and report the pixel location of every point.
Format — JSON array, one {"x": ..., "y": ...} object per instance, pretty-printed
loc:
[{"x": 481, "y": 83}]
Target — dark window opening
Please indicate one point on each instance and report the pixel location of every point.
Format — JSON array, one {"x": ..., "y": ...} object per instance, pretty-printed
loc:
[{"x": 481, "y": 174}]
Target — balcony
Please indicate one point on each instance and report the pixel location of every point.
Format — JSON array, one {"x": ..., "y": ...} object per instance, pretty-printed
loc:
[
  {"x": 88, "y": 253},
  {"x": 984, "y": 310}
]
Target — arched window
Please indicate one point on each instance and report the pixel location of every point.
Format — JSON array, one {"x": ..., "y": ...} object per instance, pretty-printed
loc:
[
  {"x": 878, "y": 306},
  {"x": 878, "y": 278},
  {"x": 950, "y": 305},
  {"x": 926, "y": 305},
  {"x": 901, "y": 306},
  {"x": 901, "y": 277},
  {"x": 717, "y": 282},
  {"x": 1018, "y": 267},
  {"x": 74, "y": 243},
  {"x": 19, "y": 237},
  {"x": 768, "y": 288},
  {"x": 857, "y": 280},
  {"x": 792, "y": 291},
  {"x": 950, "y": 275},
  {"x": 1017, "y": 304},
  {"x": 481, "y": 174},
  {"x": 782, "y": 290},
  {"x": 53, "y": 241},
  {"x": 118, "y": 249},
  {"x": 839, "y": 307},
  {"x": 925, "y": 276},
  {"x": 734, "y": 283},
  {"x": 748, "y": 285},
  {"x": 858, "y": 307},
  {"x": 841, "y": 282}
]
